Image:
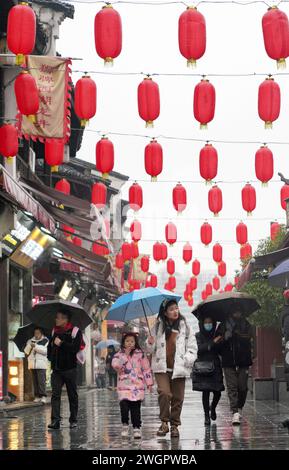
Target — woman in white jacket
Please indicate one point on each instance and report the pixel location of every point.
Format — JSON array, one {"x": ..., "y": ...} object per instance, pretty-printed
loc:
[
  {"x": 36, "y": 350},
  {"x": 173, "y": 348}
]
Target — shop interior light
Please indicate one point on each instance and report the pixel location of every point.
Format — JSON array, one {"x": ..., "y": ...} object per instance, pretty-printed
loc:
[
  {"x": 45, "y": 230},
  {"x": 13, "y": 370},
  {"x": 56, "y": 250},
  {"x": 14, "y": 381}
]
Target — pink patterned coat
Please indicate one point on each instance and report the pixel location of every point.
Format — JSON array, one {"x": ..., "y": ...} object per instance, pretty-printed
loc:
[{"x": 134, "y": 373}]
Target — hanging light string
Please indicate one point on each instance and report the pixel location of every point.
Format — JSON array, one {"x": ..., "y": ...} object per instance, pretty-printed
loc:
[
  {"x": 177, "y": 2},
  {"x": 201, "y": 219}
]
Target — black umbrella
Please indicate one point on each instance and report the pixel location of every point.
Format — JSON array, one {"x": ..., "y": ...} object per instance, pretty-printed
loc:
[
  {"x": 25, "y": 333},
  {"x": 219, "y": 306},
  {"x": 44, "y": 313}
]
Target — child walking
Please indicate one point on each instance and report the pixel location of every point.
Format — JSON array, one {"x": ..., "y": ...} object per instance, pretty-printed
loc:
[{"x": 134, "y": 373}]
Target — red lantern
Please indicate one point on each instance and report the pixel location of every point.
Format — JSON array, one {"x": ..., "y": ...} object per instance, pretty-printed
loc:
[
  {"x": 274, "y": 230},
  {"x": 172, "y": 282},
  {"x": 204, "y": 295},
  {"x": 192, "y": 35},
  {"x": 119, "y": 262},
  {"x": 85, "y": 99},
  {"x": 68, "y": 231},
  {"x": 136, "y": 285},
  {"x": 191, "y": 302},
  {"x": 126, "y": 251},
  {"x": 135, "y": 230},
  {"x": 209, "y": 289},
  {"x": 196, "y": 267},
  {"x": 100, "y": 249},
  {"x": 264, "y": 165},
  {"x": 206, "y": 233},
  {"x": 193, "y": 283},
  {"x": 269, "y": 102},
  {"x": 208, "y": 163},
  {"x": 216, "y": 283},
  {"x": 104, "y": 152},
  {"x": 135, "y": 197},
  {"x": 148, "y": 101},
  {"x": 245, "y": 251},
  {"x": 148, "y": 283},
  {"x": 284, "y": 194},
  {"x": 108, "y": 34},
  {"x": 27, "y": 97},
  {"x": 171, "y": 233},
  {"x": 187, "y": 253},
  {"x": 63, "y": 186},
  {"x": 77, "y": 241},
  {"x": 134, "y": 250},
  {"x": 241, "y": 233},
  {"x": 215, "y": 199},
  {"x": 145, "y": 264},
  {"x": 217, "y": 253},
  {"x": 21, "y": 31},
  {"x": 179, "y": 198},
  {"x": 276, "y": 35},
  {"x": 8, "y": 141},
  {"x": 153, "y": 280},
  {"x": 153, "y": 159},
  {"x": 187, "y": 296},
  {"x": 248, "y": 198},
  {"x": 170, "y": 266},
  {"x": 54, "y": 153},
  {"x": 98, "y": 195},
  {"x": 204, "y": 103},
  {"x": 228, "y": 287},
  {"x": 222, "y": 269},
  {"x": 164, "y": 251},
  {"x": 157, "y": 251}
]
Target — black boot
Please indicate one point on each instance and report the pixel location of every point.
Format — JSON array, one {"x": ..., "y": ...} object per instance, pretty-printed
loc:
[
  {"x": 207, "y": 419},
  {"x": 54, "y": 425},
  {"x": 213, "y": 414}
]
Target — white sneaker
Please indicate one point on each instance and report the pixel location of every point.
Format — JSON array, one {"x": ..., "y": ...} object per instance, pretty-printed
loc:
[
  {"x": 36, "y": 400},
  {"x": 240, "y": 412},
  {"x": 137, "y": 433},
  {"x": 125, "y": 429},
  {"x": 43, "y": 400},
  {"x": 236, "y": 419}
]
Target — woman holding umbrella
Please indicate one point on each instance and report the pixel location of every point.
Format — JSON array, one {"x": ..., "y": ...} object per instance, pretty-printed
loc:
[{"x": 36, "y": 350}]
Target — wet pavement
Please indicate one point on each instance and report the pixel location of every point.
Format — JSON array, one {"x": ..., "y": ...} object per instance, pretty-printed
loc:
[{"x": 99, "y": 426}]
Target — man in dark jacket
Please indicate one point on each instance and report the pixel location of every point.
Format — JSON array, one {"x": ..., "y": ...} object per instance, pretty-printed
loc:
[
  {"x": 285, "y": 340},
  {"x": 63, "y": 347},
  {"x": 236, "y": 353},
  {"x": 112, "y": 375}
]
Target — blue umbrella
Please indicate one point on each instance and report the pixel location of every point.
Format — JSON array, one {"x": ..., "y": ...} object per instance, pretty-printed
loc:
[
  {"x": 279, "y": 277},
  {"x": 106, "y": 343},
  {"x": 139, "y": 303}
]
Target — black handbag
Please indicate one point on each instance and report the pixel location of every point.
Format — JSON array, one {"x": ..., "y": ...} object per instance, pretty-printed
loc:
[{"x": 203, "y": 368}]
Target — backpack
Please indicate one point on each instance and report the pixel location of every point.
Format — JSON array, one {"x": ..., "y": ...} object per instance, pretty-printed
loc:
[{"x": 81, "y": 355}]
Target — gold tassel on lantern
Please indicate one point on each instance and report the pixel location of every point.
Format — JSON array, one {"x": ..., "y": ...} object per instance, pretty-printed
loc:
[
  {"x": 203, "y": 127},
  {"x": 32, "y": 118},
  {"x": 150, "y": 124},
  {"x": 19, "y": 59},
  {"x": 281, "y": 64},
  {"x": 84, "y": 122},
  {"x": 54, "y": 168},
  {"x": 108, "y": 62},
  {"x": 268, "y": 125},
  {"x": 192, "y": 63}
]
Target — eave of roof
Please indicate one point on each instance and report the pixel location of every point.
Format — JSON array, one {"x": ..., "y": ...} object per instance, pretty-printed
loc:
[{"x": 57, "y": 5}]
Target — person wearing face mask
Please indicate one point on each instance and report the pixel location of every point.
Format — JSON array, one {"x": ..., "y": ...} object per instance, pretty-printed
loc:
[
  {"x": 173, "y": 350},
  {"x": 207, "y": 373}
]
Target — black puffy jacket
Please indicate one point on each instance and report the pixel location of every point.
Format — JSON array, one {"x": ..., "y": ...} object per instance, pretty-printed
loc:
[
  {"x": 236, "y": 348},
  {"x": 63, "y": 357}
]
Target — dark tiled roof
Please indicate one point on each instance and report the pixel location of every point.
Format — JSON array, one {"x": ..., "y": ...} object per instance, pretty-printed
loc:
[{"x": 58, "y": 5}]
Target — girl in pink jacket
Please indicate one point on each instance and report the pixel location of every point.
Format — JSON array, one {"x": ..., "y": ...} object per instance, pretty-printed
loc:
[{"x": 134, "y": 373}]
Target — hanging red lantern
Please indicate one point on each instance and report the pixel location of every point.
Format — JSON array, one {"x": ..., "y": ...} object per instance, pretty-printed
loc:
[
  {"x": 204, "y": 295},
  {"x": 248, "y": 198},
  {"x": 167, "y": 286},
  {"x": 191, "y": 302},
  {"x": 193, "y": 283},
  {"x": 164, "y": 251},
  {"x": 63, "y": 186},
  {"x": 99, "y": 195},
  {"x": 21, "y": 31},
  {"x": 208, "y": 163},
  {"x": 228, "y": 287},
  {"x": 148, "y": 283},
  {"x": 170, "y": 266},
  {"x": 215, "y": 200},
  {"x": 157, "y": 251},
  {"x": 209, "y": 289},
  {"x": 54, "y": 153},
  {"x": 153, "y": 159},
  {"x": 206, "y": 233},
  {"x": 204, "y": 103},
  {"x": 245, "y": 251},
  {"x": 284, "y": 194},
  {"x": 108, "y": 34},
  {"x": 135, "y": 197},
  {"x": 145, "y": 264},
  {"x": 77, "y": 241},
  {"x": 274, "y": 230},
  {"x": 275, "y": 26},
  {"x": 172, "y": 282},
  {"x": 134, "y": 250},
  {"x": 68, "y": 231},
  {"x": 222, "y": 269},
  {"x": 153, "y": 280},
  {"x": 241, "y": 233},
  {"x": 269, "y": 102},
  {"x": 187, "y": 296},
  {"x": 85, "y": 98},
  {"x": 264, "y": 165},
  {"x": 187, "y": 252},
  {"x": 8, "y": 141},
  {"x": 148, "y": 101},
  {"x": 216, "y": 283},
  {"x": 192, "y": 35},
  {"x": 27, "y": 97},
  {"x": 100, "y": 249},
  {"x": 217, "y": 253},
  {"x": 179, "y": 198},
  {"x": 136, "y": 285},
  {"x": 104, "y": 153},
  {"x": 136, "y": 231},
  {"x": 171, "y": 233},
  {"x": 126, "y": 251},
  {"x": 119, "y": 262},
  {"x": 196, "y": 267}
]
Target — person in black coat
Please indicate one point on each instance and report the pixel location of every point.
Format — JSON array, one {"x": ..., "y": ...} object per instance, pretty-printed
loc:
[
  {"x": 208, "y": 344},
  {"x": 285, "y": 342},
  {"x": 112, "y": 375}
]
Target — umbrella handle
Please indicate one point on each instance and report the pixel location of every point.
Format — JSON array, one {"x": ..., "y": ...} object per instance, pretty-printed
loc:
[{"x": 146, "y": 318}]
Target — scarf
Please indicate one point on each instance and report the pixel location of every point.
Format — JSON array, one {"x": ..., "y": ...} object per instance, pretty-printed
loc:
[
  {"x": 168, "y": 327},
  {"x": 58, "y": 330}
]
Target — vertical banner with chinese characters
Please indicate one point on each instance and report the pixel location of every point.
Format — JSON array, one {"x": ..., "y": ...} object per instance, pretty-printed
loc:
[{"x": 52, "y": 75}]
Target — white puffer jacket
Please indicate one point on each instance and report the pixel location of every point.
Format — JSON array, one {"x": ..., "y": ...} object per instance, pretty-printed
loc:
[
  {"x": 37, "y": 356},
  {"x": 186, "y": 350}
]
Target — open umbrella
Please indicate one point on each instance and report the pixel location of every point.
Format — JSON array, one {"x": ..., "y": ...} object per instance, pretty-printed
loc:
[
  {"x": 25, "y": 333},
  {"x": 219, "y": 306},
  {"x": 279, "y": 277},
  {"x": 44, "y": 313},
  {"x": 139, "y": 303},
  {"x": 107, "y": 343}
]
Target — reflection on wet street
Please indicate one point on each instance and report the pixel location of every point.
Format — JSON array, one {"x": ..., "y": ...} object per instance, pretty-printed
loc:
[{"x": 99, "y": 426}]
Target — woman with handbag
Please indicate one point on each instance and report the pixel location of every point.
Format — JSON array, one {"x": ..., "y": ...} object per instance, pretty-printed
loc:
[{"x": 207, "y": 373}]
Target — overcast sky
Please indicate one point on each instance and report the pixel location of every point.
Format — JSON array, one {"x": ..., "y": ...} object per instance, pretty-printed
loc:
[{"x": 150, "y": 45}]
